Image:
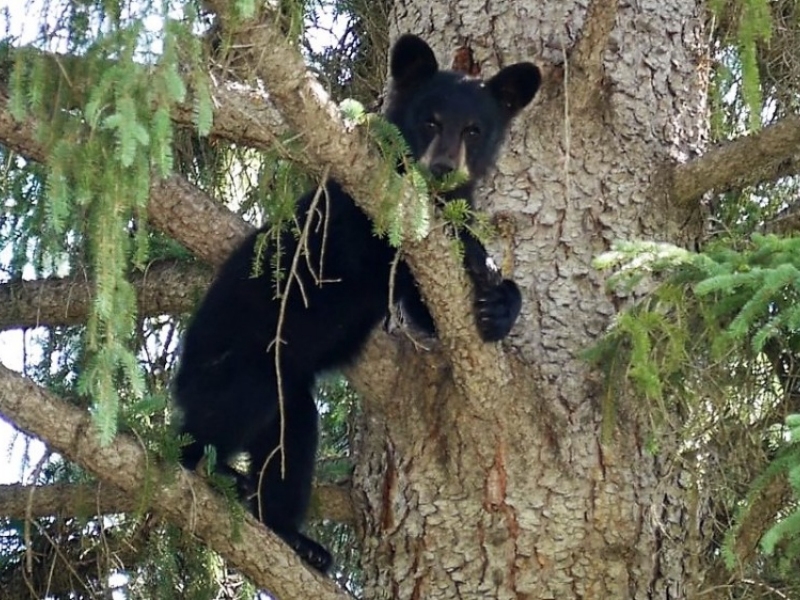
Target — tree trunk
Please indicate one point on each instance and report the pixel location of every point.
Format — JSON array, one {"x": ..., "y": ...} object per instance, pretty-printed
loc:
[{"x": 512, "y": 492}]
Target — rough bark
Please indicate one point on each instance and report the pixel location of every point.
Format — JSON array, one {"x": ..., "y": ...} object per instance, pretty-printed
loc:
[
  {"x": 19, "y": 501},
  {"x": 165, "y": 288},
  {"x": 752, "y": 159},
  {"x": 507, "y": 490}
]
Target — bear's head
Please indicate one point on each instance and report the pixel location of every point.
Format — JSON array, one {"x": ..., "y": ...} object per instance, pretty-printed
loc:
[{"x": 452, "y": 121}]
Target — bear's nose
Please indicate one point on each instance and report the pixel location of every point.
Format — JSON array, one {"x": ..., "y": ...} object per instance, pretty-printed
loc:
[{"x": 442, "y": 167}]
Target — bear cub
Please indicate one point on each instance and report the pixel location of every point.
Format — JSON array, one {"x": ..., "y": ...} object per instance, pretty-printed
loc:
[{"x": 227, "y": 384}]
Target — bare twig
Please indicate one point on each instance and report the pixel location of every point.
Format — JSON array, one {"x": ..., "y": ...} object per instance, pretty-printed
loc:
[{"x": 788, "y": 220}]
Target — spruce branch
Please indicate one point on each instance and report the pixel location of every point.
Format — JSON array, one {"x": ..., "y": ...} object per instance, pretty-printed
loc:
[
  {"x": 210, "y": 231},
  {"x": 189, "y": 216},
  {"x": 18, "y": 501},
  {"x": 176, "y": 207},
  {"x": 241, "y": 113}
]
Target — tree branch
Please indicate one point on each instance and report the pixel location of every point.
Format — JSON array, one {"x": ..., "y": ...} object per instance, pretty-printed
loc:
[
  {"x": 211, "y": 232},
  {"x": 747, "y": 160},
  {"x": 357, "y": 166},
  {"x": 788, "y": 220},
  {"x": 189, "y": 216},
  {"x": 241, "y": 114},
  {"x": 187, "y": 500},
  {"x": 306, "y": 108},
  {"x": 19, "y": 501},
  {"x": 166, "y": 288}
]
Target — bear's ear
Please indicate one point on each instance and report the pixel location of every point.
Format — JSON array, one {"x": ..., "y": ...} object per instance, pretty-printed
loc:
[
  {"x": 412, "y": 62},
  {"x": 515, "y": 86}
]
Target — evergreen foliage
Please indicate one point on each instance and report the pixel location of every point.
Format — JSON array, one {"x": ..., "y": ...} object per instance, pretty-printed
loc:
[
  {"x": 705, "y": 346},
  {"x": 106, "y": 123},
  {"x": 750, "y": 23},
  {"x": 711, "y": 337},
  {"x": 103, "y": 80}
]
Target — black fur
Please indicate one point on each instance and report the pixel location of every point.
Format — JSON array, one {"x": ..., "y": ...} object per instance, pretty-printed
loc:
[{"x": 227, "y": 384}]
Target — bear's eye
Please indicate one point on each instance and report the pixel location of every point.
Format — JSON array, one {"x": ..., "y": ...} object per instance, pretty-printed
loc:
[
  {"x": 473, "y": 131},
  {"x": 431, "y": 124}
]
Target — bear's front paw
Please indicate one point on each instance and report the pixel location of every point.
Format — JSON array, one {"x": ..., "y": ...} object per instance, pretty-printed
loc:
[{"x": 496, "y": 309}]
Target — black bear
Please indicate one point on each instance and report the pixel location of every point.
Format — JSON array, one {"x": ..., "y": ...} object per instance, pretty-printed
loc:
[{"x": 227, "y": 385}]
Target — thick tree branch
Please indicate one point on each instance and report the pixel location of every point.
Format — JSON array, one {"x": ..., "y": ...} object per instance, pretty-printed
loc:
[
  {"x": 19, "y": 501},
  {"x": 211, "y": 232},
  {"x": 353, "y": 163},
  {"x": 187, "y": 500},
  {"x": 189, "y": 216},
  {"x": 54, "y": 302},
  {"x": 66, "y": 499},
  {"x": 166, "y": 288},
  {"x": 747, "y": 160}
]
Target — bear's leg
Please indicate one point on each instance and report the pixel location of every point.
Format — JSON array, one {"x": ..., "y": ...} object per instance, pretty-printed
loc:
[
  {"x": 228, "y": 414},
  {"x": 283, "y": 475}
]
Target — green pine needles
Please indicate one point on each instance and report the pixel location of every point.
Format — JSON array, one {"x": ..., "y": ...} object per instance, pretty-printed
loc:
[
  {"x": 105, "y": 118},
  {"x": 714, "y": 340},
  {"x": 738, "y": 69},
  {"x": 746, "y": 297},
  {"x": 404, "y": 215},
  {"x": 400, "y": 215}
]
